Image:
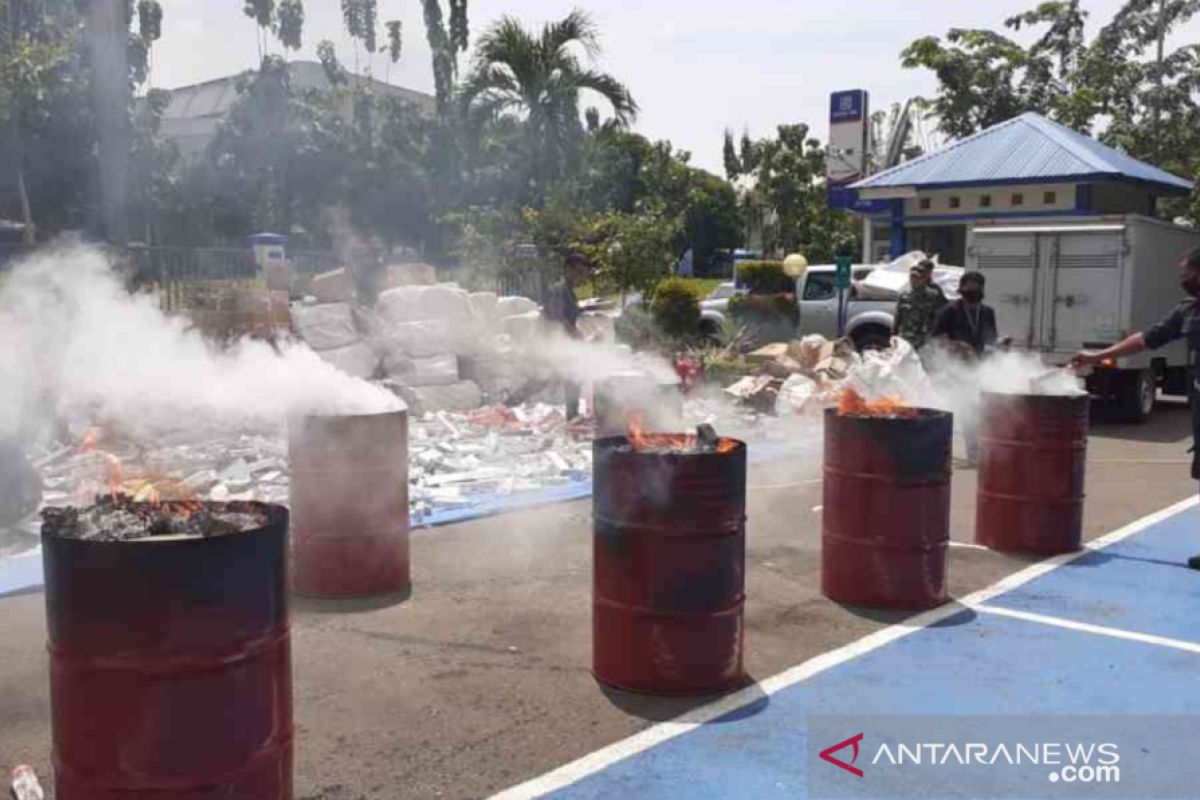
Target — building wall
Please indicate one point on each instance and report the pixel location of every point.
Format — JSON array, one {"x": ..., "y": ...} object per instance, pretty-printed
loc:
[{"x": 971, "y": 201}]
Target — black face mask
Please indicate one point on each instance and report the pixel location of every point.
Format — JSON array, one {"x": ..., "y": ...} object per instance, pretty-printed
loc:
[
  {"x": 971, "y": 295},
  {"x": 1191, "y": 284}
]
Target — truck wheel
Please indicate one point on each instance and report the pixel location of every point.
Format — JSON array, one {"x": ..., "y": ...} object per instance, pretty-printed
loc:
[
  {"x": 1136, "y": 395},
  {"x": 872, "y": 337}
]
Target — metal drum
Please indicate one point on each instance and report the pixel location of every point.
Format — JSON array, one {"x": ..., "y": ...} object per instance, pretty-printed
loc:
[
  {"x": 669, "y": 568},
  {"x": 170, "y": 665},
  {"x": 886, "y": 517},
  {"x": 1032, "y": 454},
  {"x": 349, "y": 500}
]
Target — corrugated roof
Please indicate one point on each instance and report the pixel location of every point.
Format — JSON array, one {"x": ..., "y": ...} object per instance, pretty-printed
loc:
[
  {"x": 194, "y": 112},
  {"x": 1026, "y": 148}
]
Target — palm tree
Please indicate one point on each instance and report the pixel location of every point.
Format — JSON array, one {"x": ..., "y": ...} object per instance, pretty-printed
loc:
[{"x": 539, "y": 77}]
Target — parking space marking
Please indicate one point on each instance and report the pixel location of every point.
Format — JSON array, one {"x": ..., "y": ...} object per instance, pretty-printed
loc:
[
  {"x": 664, "y": 731},
  {"x": 1087, "y": 627}
]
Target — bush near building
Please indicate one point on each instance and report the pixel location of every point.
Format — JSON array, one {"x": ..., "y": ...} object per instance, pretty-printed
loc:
[
  {"x": 676, "y": 308},
  {"x": 764, "y": 277}
]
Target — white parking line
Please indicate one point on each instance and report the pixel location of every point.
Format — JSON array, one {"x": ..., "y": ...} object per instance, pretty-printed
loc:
[
  {"x": 664, "y": 731},
  {"x": 1103, "y": 630}
]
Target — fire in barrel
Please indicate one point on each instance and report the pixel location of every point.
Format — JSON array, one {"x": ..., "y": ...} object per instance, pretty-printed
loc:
[
  {"x": 669, "y": 561},
  {"x": 886, "y": 516},
  {"x": 659, "y": 403},
  {"x": 170, "y": 660},
  {"x": 1033, "y": 448},
  {"x": 349, "y": 501}
]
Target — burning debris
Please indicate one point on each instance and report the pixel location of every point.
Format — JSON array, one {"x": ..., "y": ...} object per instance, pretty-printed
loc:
[
  {"x": 704, "y": 440},
  {"x": 118, "y": 518},
  {"x": 852, "y": 404}
]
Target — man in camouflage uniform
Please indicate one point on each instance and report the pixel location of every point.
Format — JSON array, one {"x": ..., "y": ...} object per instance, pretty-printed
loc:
[{"x": 918, "y": 306}]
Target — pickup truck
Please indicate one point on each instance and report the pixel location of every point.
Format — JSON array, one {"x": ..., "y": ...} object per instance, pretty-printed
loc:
[{"x": 868, "y": 322}]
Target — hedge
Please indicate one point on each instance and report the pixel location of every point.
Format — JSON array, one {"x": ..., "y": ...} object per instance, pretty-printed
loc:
[
  {"x": 764, "y": 277},
  {"x": 676, "y": 307}
]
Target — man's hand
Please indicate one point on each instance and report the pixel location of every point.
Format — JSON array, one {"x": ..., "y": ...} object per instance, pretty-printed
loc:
[{"x": 1085, "y": 358}]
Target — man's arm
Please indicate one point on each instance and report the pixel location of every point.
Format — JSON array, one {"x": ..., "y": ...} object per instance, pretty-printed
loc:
[
  {"x": 1134, "y": 343},
  {"x": 901, "y": 314},
  {"x": 1167, "y": 330},
  {"x": 944, "y": 322}
]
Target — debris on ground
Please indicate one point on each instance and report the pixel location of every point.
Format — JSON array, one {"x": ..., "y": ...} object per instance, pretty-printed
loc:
[{"x": 25, "y": 784}]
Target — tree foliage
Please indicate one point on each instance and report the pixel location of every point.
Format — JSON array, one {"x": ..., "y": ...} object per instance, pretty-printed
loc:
[
  {"x": 1146, "y": 96},
  {"x": 539, "y": 78},
  {"x": 787, "y": 177}
]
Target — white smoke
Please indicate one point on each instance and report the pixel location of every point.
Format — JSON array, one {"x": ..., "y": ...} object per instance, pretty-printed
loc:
[
  {"x": 957, "y": 385},
  {"x": 77, "y": 345}
]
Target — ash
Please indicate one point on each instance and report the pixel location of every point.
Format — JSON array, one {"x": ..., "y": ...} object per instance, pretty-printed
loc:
[{"x": 120, "y": 519}]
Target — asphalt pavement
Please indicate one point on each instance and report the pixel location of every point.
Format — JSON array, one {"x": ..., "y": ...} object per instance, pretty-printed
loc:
[{"x": 480, "y": 679}]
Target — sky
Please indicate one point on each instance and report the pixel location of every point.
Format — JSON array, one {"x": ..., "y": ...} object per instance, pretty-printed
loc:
[{"x": 695, "y": 67}]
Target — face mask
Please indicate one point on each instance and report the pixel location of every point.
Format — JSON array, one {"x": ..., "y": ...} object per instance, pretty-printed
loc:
[
  {"x": 971, "y": 295},
  {"x": 1191, "y": 284}
]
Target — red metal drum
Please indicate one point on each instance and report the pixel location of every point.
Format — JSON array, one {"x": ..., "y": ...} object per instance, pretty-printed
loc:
[
  {"x": 349, "y": 501},
  {"x": 886, "y": 517},
  {"x": 668, "y": 568},
  {"x": 1032, "y": 454},
  {"x": 170, "y": 665}
]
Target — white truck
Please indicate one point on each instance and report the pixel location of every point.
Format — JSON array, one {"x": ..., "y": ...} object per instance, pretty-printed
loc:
[{"x": 1058, "y": 289}]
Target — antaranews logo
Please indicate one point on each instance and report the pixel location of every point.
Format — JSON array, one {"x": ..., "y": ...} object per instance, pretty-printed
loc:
[
  {"x": 827, "y": 754},
  {"x": 1072, "y": 762}
]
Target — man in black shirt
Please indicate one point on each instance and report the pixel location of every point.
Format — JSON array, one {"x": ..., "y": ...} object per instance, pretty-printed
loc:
[
  {"x": 967, "y": 322},
  {"x": 1181, "y": 323},
  {"x": 969, "y": 328}
]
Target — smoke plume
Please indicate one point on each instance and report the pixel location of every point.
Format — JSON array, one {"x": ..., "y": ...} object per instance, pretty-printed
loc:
[{"x": 78, "y": 346}]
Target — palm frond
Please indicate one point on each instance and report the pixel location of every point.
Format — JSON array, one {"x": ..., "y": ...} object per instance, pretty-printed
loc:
[{"x": 576, "y": 28}]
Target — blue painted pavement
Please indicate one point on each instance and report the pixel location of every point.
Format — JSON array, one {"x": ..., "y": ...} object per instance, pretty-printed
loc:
[{"x": 994, "y": 669}]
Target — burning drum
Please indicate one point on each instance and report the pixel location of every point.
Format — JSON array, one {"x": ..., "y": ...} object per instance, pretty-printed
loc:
[
  {"x": 349, "y": 500},
  {"x": 1031, "y": 471},
  {"x": 170, "y": 660},
  {"x": 886, "y": 516},
  {"x": 669, "y": 563}
]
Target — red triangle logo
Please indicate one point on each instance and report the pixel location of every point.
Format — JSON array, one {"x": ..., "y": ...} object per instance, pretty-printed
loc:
[{"x": 827, "y": 755}]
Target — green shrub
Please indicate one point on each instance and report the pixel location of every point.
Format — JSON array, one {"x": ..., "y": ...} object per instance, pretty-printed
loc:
[
  {"x": 764, "y": 277},
  {"x": 766, "y": 317},
  {"x": 676, "y": 308}
]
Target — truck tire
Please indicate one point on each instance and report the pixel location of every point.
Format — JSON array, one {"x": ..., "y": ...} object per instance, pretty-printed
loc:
[
  {"x": 1137, "y": 392},
  {"x": 871, "y": 337}
]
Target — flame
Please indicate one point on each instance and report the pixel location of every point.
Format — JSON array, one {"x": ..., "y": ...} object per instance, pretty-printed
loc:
[
  {"x": 114, "y": 474},
  {"x": 89, "y": 441},
  {"x": 641, "y": 441},
  {"x": 636, "y": 422},
  {"x": 851, "y": 403}
]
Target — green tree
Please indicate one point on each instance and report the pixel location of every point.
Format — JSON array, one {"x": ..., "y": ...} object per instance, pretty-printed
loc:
[
  {"x": 787, "y": 176},
  {"x": 1149, "y": 96},
  {"x": 539, "y": 78},
  {"x": 64, "y": 123},
  {"x": 445, "y": 45}
]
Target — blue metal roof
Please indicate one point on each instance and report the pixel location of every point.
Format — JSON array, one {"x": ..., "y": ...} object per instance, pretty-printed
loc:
[{"x": 1025, "y": 149}]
